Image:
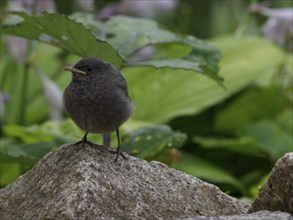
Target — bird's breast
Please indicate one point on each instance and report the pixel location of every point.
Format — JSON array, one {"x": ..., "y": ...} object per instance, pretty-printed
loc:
[{"x": 97, "y": 109}]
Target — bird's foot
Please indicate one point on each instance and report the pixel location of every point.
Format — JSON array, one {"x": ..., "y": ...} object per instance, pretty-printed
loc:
[
  {"x": 118, "y": 153},
  {"x": 84, "y": 141}
]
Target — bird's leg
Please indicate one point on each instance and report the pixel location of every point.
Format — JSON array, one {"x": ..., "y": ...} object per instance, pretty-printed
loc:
[
  {"x": 84, "y": 140},
  {"x": 118, "y": 149},
  {"x": 107, "y": 140}
]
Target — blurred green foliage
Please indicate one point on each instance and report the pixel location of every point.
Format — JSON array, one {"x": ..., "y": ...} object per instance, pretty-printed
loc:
[{"x": 228, "y": 133}]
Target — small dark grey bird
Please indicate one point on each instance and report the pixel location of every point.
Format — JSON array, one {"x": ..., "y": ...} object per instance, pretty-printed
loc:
[{"x": 97, "y": 99}]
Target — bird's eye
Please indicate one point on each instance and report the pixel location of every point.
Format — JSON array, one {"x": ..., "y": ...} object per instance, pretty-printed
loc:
[{"x": 89, "y": 69}]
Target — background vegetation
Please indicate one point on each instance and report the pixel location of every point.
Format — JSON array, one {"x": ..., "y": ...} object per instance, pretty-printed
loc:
[{"x": 228, "y": 132}]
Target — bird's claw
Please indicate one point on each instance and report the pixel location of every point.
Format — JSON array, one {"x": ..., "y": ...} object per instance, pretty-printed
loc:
[{"x": 118, "y": 153}]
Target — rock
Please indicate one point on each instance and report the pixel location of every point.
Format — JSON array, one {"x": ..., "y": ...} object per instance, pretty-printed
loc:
[
  {"x": 277, "y": 193},
  {"x": 261, "y": 215},
  {"x": 76, "y": 182}
]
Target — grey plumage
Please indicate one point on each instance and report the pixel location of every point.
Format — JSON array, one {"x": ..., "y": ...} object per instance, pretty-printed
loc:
[{"x": 97, "y": 99}]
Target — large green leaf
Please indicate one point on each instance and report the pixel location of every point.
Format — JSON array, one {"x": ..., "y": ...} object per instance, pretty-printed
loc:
[
  {"x": 144, "y": 142},
  {"x": 16, "y": 158},
  {"x": 27, "y": 134},
  {"x": 242, "y": 145},
  {"x": 201, "y": 168},
  {"x": 254, "y": 104},
  {"x": 148, "y": 142},
  {"x": 9, "y": 172},
  {"x": 260, "y": 138},
  {"x": 49, "y": 131},
  {"x": 273, "y": 137},
  {"x": 172, "y": 63},
  {"x": 60, "y": 31},
  {"x": 25, "y": 153},
  {"x": 129, "y": 36},
  {"x": 162, "y": 94}
]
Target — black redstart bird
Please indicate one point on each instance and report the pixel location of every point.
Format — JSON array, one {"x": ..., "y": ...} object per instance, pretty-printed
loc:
[{"x": 97, "y": 98}]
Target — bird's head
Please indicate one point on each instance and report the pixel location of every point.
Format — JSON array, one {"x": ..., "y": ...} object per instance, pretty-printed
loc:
[{"x": 89, "y": 68}]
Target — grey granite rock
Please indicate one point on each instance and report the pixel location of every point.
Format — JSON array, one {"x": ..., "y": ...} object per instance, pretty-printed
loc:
[
  {"x": 76, "y": 182},
  {"x": 277, "y": 193},
  {"x": 261, "y": 215}
]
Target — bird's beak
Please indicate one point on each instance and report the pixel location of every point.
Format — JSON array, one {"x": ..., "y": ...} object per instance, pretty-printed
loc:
[{"x": 74, "y": 70}]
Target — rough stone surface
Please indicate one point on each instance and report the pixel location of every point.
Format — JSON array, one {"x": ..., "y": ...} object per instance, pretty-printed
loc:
[
  {"x": 261, "y": 215},
  {"x": 76, "y": 182},
  {"x": 277, "y": 193}
]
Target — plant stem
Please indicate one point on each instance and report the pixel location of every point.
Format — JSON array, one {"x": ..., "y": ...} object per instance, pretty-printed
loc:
[{"x": 23, "y": 95}]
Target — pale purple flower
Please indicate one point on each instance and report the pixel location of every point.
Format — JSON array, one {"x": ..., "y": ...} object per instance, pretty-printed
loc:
[
  {"x": 4, "y": 98},
  {"x": 17, "y": 5},
  {"x": 53, "y": 94},
  {"x": 87, "y": 5},
  {"x": 139, "y": 8},
  {"x": 28, "y": 5},
  {"x": 46, "y": 5},
  {"x": 16, "y": 47},
  {"x": 279, "y": 26}
]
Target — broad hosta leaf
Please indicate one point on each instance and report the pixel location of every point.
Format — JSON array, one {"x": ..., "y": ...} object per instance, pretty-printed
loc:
[
  {"x": 126, "y": 35},
  {"x": 9, "y": 172},
  {"x": 203, "y": 53},
  {"x": 262, "y": 138},
  {"x": 204, "y": 169},
  {"x": 273, "y": 137},
  {"x": 254, "y": 190},
  {"x": 50, "y": 131},
  {"x": 285, "y": 120},
  {"x": 17, "y": 157},
  {"x": 144, "y": 142},
  {"x": 150, "y": 141},
  {"x": 162, "y": 94},
  {"x": 26, "y": 134},
  {"x": 129, "y": 35},
  {"x": 172, "y": 63},
  {"x": 25, "y": 153},
  {"x": 242, "y": 145},
  {"x": 251, "y": 105},
  {"x": 60, "y": 31}
]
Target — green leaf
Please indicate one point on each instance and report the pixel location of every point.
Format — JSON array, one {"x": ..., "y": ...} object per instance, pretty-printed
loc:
[
  {"x": 242, "y": 145},
  {"x": 26, "y": 153},
  {"x": 163, "y": 94},
  {"x": 129, "y": 36},
  {"x": 62, "y": 32},
  {"x": 26, "y": 134},
  {"x": 285, "y": 120},
  {"x": 260, "y": 138},
  {"x": 12, "y": 151},
  {"x": 206, "y": 170},
  {"x": 64, "y": 130},
  {"x": 254, "y": 190},
  {"x": 148, "y": 142},
  {"x": 172, "y": 63},
  {"x": 49, "y": 131},
  {"x": 203, "y": 53},
  {"x": 9, "y": 172},
  {"x": 251, "y": 105},
  {"x": 270, "y": 137}
]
